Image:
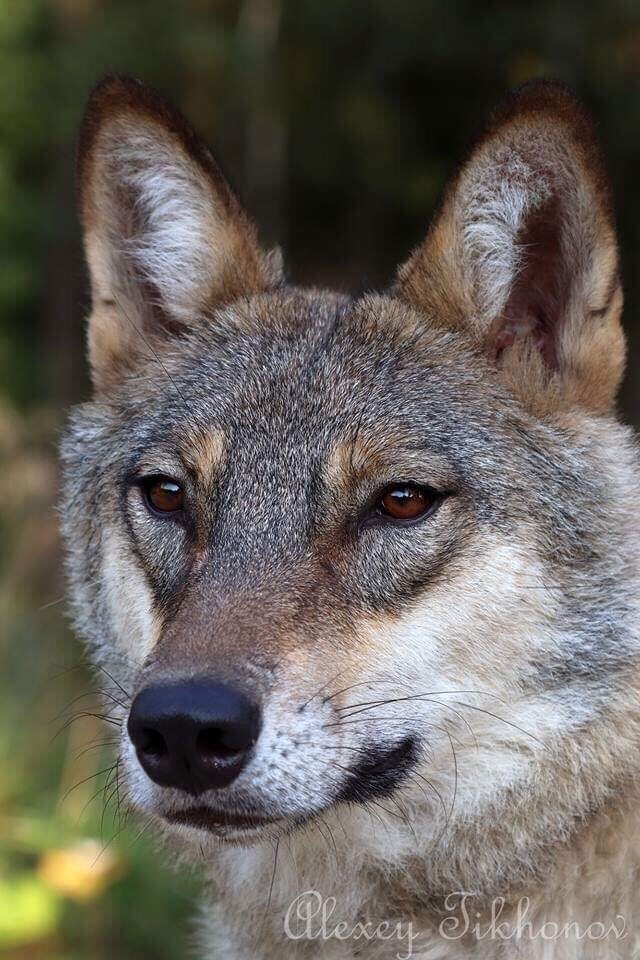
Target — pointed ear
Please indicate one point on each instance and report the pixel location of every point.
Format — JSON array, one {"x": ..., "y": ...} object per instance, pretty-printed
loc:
[
  {"x": 165, "y": 236},
  {"x": 522, "y": 253}
]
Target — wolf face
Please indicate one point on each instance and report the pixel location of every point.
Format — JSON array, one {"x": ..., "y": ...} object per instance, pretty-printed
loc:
[{"x": 359, "y": 556}]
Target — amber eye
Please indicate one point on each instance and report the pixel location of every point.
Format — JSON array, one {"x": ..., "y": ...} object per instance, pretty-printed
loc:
[
  {"x": 406, "y": 501},
  {"x": 163, "y": 494}
]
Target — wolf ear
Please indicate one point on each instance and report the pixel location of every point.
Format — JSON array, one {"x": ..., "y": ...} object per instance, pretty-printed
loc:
[
  {"x": 522, "y": 253},
  {"x": 165, "y": 236}
]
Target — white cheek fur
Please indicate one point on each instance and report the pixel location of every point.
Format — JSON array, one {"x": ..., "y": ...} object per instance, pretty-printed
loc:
[{"x": 134, "y": 625}]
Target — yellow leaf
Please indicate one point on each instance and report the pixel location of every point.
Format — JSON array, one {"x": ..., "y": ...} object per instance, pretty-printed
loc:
[{"x": 80, "y": 872}]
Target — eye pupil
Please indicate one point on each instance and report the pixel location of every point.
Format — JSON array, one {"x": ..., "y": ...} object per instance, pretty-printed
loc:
[
  {"x": 164, "y": 494},
  {"x": 405, "y": 502}
]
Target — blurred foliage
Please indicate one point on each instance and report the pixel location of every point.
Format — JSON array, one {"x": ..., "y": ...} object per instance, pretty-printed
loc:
[{"x": 338, "y": 122}]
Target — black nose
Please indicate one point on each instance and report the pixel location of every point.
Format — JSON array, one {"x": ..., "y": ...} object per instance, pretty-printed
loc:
[{"x": 195, "y": 735}]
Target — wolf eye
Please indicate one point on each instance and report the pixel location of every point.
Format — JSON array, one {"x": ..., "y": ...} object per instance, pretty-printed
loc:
[
  {"x": 406, "y": 501},
  {"x": 163, "y": 495}
]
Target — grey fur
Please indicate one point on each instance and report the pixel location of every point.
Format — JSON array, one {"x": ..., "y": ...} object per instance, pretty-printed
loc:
[{"x": 276, "y": 577}]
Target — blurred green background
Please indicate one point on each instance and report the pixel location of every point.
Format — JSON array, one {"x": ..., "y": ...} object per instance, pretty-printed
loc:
[{"x": 338, "y": 122}]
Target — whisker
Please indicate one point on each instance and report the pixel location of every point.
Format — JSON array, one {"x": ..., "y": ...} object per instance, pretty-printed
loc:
[
  {"x": 319, "y": 691},
  {"x": 114, "y": 681},
  {"x": 82, "y": 696},
  {"x": 417, "y": 696},
  {"x": 455, "y": 770},
  {"x": 427, "y": 698},
  {"x": 145, "y": 827},
  {"x": 90, "y": 801},
  {"x": 322, "y": 821},
  {"x": 361, "y": 683},
  {"x": 84, "y": 715},
  {"x": 113, "y": 776},
  {"x": 96, "y": 746},
  {"x": 391, "y": 813},
  {"x": 85, "y": 780},
  {"x": 51, "y": 603},
  {"x": 470, "y": 706},
  {"x": 347, "y": 722},
  {"x": 372, "y": 813},
  {"x": 271, "y": 884},
  {"x": 432, "y": 786}
]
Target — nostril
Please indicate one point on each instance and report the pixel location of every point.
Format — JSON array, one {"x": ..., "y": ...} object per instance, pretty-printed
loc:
[
  {"x": 195, "y": 735},
  {"x": 152, "y": 744},
  {"x": 215, "y": 744}
]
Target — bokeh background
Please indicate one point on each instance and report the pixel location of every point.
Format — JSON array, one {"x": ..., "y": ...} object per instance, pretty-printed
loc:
[{"x": 338, "y": 120}]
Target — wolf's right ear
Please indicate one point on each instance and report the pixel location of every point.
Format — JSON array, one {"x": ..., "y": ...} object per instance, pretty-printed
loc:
[
  {"x": 165, "y": 236},
  {"x": 522, "y": 254}
]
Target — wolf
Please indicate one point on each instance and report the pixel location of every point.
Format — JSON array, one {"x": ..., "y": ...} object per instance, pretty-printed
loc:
[{"x": 362, "y": 574}]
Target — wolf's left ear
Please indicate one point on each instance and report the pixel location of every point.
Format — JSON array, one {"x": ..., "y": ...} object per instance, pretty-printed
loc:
[
  {"x": 165, "y": 236},
  {"x": 522, "y": 253}
]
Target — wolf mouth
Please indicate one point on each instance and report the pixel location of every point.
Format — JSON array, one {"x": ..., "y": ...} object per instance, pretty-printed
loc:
[
  {"x": 377, "y": 776},
  {"x": 207, "y": 818}
]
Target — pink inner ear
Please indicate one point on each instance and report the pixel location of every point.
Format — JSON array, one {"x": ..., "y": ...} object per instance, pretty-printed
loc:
[{"x": 536, "y": 304}]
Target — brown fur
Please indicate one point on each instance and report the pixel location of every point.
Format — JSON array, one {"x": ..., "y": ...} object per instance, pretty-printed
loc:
[
  {"x": 591, "y": 343},
  {"x": 447, "y": 705},
  {"x": 119, "y": 108}
]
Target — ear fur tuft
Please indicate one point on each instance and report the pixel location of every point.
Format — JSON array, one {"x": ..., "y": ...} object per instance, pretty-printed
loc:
[
  {"x": 166, "y": 238},
  {"x": 522, "y": 252}
]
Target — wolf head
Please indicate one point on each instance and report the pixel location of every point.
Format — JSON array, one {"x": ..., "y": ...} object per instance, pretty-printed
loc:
[{"x": 367, "y": 555}]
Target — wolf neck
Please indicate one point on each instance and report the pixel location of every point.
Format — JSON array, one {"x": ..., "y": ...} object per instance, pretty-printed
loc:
[{"x": 587, "y": 879}]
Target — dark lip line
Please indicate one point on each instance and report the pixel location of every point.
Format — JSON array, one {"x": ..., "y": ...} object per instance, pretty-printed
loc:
[{"x": 206, "y": 818}]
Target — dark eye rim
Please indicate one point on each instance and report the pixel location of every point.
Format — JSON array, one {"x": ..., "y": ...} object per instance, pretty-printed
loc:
[
  {"x": 373, "y": 515},
  {"x": 144, "y": 484}
]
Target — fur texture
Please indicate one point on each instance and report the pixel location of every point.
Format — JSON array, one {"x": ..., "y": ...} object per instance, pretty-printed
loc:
[{"x": 450, "y": 708}]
